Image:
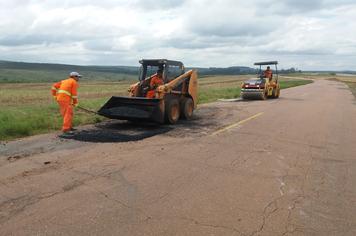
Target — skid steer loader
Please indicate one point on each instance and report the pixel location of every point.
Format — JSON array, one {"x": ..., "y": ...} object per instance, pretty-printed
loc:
[
  {"x": 261, "y": 87},
  {"x": 176, "y": 98}
]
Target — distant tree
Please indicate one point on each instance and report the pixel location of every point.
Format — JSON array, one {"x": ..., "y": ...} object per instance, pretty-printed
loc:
[{"x": 290, "y": 71}]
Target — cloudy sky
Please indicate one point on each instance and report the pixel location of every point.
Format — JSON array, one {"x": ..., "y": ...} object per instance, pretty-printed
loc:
[{"x": 307, "y": 34}]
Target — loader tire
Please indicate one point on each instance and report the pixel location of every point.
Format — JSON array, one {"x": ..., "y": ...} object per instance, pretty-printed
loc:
[
  {"x": 278, "y": 93},
  {"x": 172, "y": 111},
  {"x": 274, "y": 93},
  {"x": 187, "y": 108},
  {"x": 264, "y": 95}
]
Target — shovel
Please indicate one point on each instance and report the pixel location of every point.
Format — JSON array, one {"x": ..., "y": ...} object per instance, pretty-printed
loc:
[{"x": 86, "y": 110}]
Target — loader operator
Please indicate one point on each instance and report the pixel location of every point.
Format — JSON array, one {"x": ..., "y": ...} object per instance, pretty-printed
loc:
[
  {"x": 268, "y": 73},
  {"x": 156, "y": 81},
  {"x": 65, "y": 93}
]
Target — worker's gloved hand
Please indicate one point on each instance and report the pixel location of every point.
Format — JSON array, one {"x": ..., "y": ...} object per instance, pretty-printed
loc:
[
  {"x": 75, "y": 104},
  {"x": 54, "y": 98}
]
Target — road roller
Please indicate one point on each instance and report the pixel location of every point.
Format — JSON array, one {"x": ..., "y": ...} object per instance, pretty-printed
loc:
[{"x": 266, "y": 85}]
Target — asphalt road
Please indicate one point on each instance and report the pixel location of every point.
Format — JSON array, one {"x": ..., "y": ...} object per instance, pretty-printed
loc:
[{"x": 275, "y": 167}]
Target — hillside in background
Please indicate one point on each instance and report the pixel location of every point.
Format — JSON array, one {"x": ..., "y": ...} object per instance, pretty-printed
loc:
[
  {"x": 16, "y": 72},
  {"x": 56, "y": 67}
]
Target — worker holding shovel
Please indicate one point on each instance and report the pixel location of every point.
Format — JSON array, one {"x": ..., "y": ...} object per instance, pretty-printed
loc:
[{"x": 65, "y": 93}]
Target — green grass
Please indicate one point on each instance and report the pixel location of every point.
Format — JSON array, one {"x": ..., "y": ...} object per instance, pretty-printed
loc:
[
  {"x": 28, "y": 108},
  {"x": 211, "y": 95},
  {"x": 293, "y": 83},
  {"x": 25, "y": 120}
]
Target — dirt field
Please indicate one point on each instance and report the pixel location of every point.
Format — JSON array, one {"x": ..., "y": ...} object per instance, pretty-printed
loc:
[{"x": 275, "y": 167}]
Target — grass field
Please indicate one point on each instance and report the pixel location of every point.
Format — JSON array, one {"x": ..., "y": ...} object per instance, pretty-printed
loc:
[
  {"x": 352, "y": 86},
  {"x": 348, "y": 80},
  {"x": 28, "y": 108}
]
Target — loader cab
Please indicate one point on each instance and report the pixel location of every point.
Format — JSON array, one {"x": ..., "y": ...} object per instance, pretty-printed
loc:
[
  {"x": 171, "y": 69},
  {"x": 149, "y": 67}
]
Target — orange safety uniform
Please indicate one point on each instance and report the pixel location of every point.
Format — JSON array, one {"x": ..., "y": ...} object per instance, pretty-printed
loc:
[
  {"x": 267, "y": 74},
  {"x": 154, "y": 83},
  {"x": 65, "y": 93}
]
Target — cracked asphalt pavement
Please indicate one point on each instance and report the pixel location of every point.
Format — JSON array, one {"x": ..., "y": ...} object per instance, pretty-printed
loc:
[{"x": 290, "y": 170}]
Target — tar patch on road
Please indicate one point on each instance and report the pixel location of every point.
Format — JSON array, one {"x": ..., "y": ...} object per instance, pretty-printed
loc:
[
  {"x": 205, "y": 121},
  {"x": 118, "y": 131}
]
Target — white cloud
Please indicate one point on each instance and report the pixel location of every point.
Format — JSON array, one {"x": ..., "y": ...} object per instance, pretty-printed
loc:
[{"x": 308, "y": 34}]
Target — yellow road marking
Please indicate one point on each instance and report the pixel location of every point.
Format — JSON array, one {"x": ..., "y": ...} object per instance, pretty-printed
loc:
[{"x": 236, "y": 124}]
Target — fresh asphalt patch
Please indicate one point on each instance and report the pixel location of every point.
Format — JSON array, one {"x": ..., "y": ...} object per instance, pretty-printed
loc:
[
  {"x": 118, "y": 131},
  {"x": 204, "y": 121}
]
